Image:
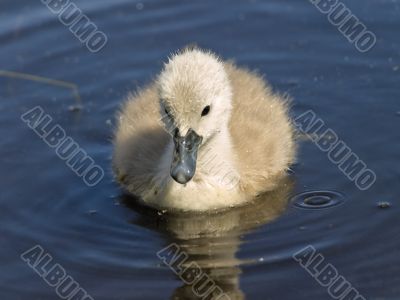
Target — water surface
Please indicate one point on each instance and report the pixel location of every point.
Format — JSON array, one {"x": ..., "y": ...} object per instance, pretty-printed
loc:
[{"x": 108, "y": 244}]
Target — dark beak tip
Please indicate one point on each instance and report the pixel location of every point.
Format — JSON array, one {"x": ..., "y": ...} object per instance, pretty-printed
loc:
[{"x": 181, "y": 178}]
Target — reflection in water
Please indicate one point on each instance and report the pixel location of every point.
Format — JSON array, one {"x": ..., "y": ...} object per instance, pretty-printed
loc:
[{"x": 212, "y": 239}]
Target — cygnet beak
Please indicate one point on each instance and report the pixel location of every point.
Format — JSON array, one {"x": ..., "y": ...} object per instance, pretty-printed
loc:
[{"x": 183, "y": 165}]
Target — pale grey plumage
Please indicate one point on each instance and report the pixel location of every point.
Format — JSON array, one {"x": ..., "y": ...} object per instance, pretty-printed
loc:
[{"x": 247, "y": 136}]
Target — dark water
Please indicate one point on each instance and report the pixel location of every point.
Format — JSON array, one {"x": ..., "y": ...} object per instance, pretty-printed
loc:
[{"x": 108, "y": 244}]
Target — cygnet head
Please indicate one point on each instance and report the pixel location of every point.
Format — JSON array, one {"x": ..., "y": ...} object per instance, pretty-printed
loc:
[{"x": 195, "y": 104}]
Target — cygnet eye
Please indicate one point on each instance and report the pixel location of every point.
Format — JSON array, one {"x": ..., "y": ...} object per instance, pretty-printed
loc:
[
  {"x": 205, "y": 111},
  {"x": 167, "y": 112}
]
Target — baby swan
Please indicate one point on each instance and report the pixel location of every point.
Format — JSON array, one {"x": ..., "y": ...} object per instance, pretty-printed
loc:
[{"x": 205, "y": 135}]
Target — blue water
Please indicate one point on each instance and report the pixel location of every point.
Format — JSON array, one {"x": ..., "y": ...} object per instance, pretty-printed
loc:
[{"x": 109, "y": 244}]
